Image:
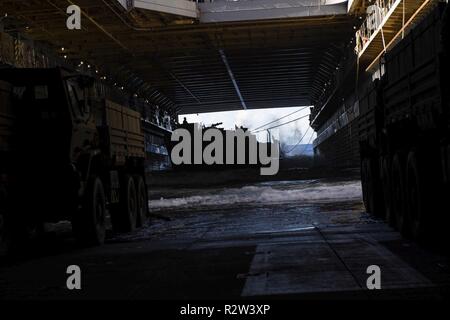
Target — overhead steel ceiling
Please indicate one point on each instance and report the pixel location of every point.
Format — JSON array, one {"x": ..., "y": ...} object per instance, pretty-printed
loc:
[{"x": 268, "y": 63}]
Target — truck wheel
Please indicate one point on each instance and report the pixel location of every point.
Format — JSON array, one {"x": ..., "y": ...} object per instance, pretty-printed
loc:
[
  {"x": 5, "y": 239},
  {"x": 125, "y": 214},
  {"x": 371, "y": 189},
  {"x": 415, "y": 195},
  {"x": 142, "y": 203},
  {"x": 89, "y": 223},
  {"x": 365, "y": 184},
  {"x": 422, "y": 181},
  {"x": 385, "y": 170},
  {"x": 398, "y": 193},
  {"x": 375, "y": 191},
  {"x": 4, "y": 235},
  {"x": 16, "y": 230}
]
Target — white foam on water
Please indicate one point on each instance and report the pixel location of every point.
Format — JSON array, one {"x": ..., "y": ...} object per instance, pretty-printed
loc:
[{"x": 263, "y": 194}]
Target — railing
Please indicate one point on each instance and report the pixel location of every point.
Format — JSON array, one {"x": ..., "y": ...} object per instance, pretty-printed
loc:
[{"x": 375, "y": 16}]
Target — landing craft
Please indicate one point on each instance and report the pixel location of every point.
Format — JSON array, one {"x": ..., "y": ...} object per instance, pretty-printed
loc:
[{"x": 205, "y": 146}]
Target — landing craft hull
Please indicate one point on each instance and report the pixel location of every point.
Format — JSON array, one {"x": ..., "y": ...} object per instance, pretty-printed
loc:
[{"x": 341, "y": 149}]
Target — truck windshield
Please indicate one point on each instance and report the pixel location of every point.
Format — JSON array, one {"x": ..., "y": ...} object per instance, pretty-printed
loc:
[
  {"x": 78, "y": 100},
  {"x": 37, "y": 96}
]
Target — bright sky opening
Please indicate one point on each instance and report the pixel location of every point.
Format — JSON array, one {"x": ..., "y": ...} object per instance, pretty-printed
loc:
[{"x": 288, "y": 134}]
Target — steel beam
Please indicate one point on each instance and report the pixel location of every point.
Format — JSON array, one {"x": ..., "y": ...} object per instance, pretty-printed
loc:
[
  {"x": 233, "y": 79},
  {"x": 183, "y": 8},
  {"x": 247, "y": 10},
  {"x": 242, "y": 10}
]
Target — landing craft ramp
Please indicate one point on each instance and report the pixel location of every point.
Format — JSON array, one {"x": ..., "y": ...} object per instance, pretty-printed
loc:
[{"x": 206, "y": 57}]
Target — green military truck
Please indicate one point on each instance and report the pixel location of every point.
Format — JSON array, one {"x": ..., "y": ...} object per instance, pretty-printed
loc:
[
  {"x": 67, "y": 153},
  {"x": 404, "y": 130}
]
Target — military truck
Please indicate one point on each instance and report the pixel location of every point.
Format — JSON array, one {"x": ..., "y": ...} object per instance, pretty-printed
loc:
[
  {"x": 67, "y": 153},
  {"x": 404, "y": 131}
]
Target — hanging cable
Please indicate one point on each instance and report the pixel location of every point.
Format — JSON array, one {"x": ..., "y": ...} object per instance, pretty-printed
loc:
[
  {"x": 301, "y": 139},
  {"x": 279, "y": 118},
  {"x": 309, "y": 141},
  {"x": 282, "y": 124}
]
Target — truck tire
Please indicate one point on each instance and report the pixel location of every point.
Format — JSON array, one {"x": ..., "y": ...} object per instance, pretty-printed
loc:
[
  {"x": 365, "y": 183},
  {"x": 423, "y": 193},
  {"x": 17, "y": 229},
  {"x": 125, "y": 213},
  {"x": 371, "y": 187},
  {"x": 385, "y": 173},
  {"x": 5, "y": 237},
  {"x": 142, "y": 203},
  {"x": 398, "y": 193},
  {"x": 415, "y": 195},
  {"x": 375, "y": 189},
  {"x": 89, "y": 223}
]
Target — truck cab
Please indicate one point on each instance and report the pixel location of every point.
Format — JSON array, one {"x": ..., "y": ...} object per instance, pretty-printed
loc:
[{"x": 64, "y": 164}]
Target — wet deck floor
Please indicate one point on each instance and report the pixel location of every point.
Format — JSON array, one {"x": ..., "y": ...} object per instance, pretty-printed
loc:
[{"x": 309, "y": 239}]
